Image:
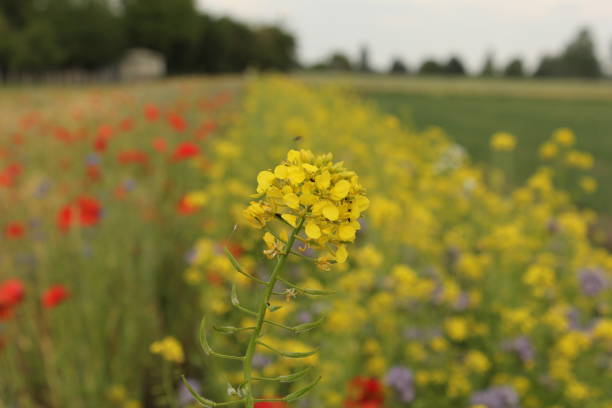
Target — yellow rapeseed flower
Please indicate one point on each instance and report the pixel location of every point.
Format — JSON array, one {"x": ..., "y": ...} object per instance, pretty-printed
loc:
[
  {"x": 169, "y": 349},
  {"x": 503, "y": 142},
  {"x": 325, "y": 196}
]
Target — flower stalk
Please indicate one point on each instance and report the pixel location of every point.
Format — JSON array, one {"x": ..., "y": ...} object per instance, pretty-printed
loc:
[{"x": 261, "y": 315}]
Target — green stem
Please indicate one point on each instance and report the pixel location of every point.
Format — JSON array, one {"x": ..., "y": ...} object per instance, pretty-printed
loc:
[{"x": 261, "y": 315}]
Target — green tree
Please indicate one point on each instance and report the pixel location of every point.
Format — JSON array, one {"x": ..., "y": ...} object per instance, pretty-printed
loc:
[
  {"x": 339, "y": 62},
  {"x": 273, "y": 49},
  {"x": 170, "y": 27},
  {"x": 488, "y": 68},
  {"x": 431, "y": 67},
  {"x": 90, "y": 33},
  {"x": 454, "y": 66},
  {"x": 579, "y": 59},
  {"x": 514, "y": 68},
  {"x": 398, "y": 67}
]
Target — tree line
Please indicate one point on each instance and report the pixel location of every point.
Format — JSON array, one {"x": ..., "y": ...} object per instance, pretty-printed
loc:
[
  {"x": 56, "y": 35},
  {"x": 577, "y": 59},
  {"x": 47, "y": 35}
]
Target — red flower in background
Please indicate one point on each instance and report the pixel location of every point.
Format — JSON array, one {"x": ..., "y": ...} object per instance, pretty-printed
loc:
[
  {"x": 365, "y": 392},
  {"x": 132, "y": 156},
  {"x": 55, "y": 296},
  {"x": 126, "y": 125},
  {"x": 12, "y": 293},
  {"x": 84, "y": 210},
  {"x": 177, "y": 122},
  {"x": 14, "y": 230},
  {"x": 9, "y": 175},
  {"x": 185, "y": 150},
  {"x": 100, "y": 144},
  {"x": 185, "y": 208},
  {"x": 94, "y": 173},
  {"x": 151, "y": 112},
  {"x": 271, "y": 404},
  {"x": 160, "y": 144}
]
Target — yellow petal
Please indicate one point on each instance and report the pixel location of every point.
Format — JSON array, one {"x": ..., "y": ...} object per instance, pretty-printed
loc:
[
  {"x": 341, "y": 254},
  {"x": 310, "y": 168},
  {"x": 362, "y": 202},
  {"x": 331, "y": 212},
  {"x": 296, "y": 175},
  {"x": 340, "y": 190},
  {"x": 264, "y": 180},
  {"x": 280, "y": 172},
  {"x": 269, "y": 239},
  {"x": 291, "y": 219},
  {"x": 312, "y": 230},
  {"x": 293, "y": 156},
  {"x": 291, "y": 200},
  {"x": 323, "y": 180},
  {"x": 346, "y": 232}
]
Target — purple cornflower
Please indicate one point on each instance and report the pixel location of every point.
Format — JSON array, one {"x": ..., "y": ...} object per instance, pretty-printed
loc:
[
  {"x": 496, "y": 397},
  {"x": 592, "y": 281},
  {"x": 401, "y": 380},
  {"x": 522, "y": 347}
]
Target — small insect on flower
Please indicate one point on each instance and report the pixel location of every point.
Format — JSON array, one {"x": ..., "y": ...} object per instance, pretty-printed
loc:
[{"x": 327, "y": 198}]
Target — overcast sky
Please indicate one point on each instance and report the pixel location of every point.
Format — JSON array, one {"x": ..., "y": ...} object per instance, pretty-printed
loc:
[{"x": 415, "y": 29}]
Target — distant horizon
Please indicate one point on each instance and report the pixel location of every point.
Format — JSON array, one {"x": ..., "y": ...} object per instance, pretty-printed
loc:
[{"x": 416, "y": 30}]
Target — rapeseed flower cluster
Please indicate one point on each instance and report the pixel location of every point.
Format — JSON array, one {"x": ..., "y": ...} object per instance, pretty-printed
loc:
[{"x": 324, "y": 196}]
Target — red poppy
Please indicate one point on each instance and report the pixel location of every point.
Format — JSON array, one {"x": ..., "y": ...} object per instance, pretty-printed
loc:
[
  {"x": 365, "y": 392},
  {"x": 151, "y": 112},
  {"x": 185, "y": 150},
  {"x": 94, "y": 173},
  {"x": 271, "y": 404},
  {"x": 185, "y": 208},
  {"x": 160, "y": 144},
  {"x": 177, "y": 122},
  {"x": 132, "y": 156},
  {"x": 9, "y": 175},
  {"x": 12, "y": 293},
  {"x": 85, "y": 211},
  {"x": 14, "y": 230},
  {"x": 54, "y": 296},
  {"x": 126, "y": 125},
  {"x": 100, "y": 144}
]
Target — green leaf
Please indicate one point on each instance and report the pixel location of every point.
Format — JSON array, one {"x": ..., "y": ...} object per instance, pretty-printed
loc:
[
  {"x": 311, "y": 292},
  {"x": 290, "y": 354},
  {"x": 274, "y": 308},
  {"x": 301, "y": 328},
  {"x": 232, "y": 329},
  {"x": 206, "y": 347},
  {"x": 201, "y": 400},
  {"x": 286, "y": 378},
  {"x": 239, "y": 269},
  {"x": 203, "y": 340},
  {"x": 236, "y": 302},
  {"x": 299, "y": 393}
]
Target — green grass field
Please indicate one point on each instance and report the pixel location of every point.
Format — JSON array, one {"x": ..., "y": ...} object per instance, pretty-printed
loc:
[{"x": 471, "y": 110}]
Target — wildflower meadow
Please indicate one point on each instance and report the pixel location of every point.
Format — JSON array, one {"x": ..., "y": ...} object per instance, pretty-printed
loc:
[{"x": 270, "y": 242}]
